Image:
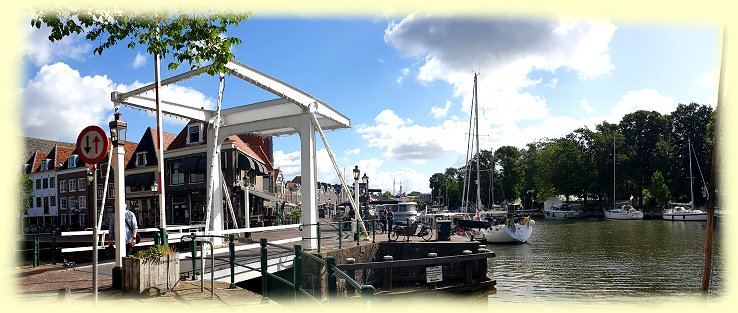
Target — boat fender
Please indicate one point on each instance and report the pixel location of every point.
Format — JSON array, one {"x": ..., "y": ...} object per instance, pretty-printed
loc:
[{"x": 525, "y": 220}]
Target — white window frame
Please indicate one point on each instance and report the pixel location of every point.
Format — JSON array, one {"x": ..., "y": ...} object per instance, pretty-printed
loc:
[
  {"x": 190, "y": 132},
  {"x": 45, "y": 165},
  {"x": 52, "y": 201},
  {"x": 141, "y": 158},
  {"x": 72, "y": 161},
  {"x": 63, "y": 186},
  {"x": 176, "y": 182},
  {"x": 52, "y": 182},
  {"x": 63, "y": 202},
  {"x": 81, "y": 184},
  {"x": 111, "y": 190},
  {"x": 82, "y": 202},
  {"x": 72, "y": 185}
]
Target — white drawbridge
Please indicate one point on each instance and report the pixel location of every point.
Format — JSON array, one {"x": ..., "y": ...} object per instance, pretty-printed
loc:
[{"x": 293, "y": 111}]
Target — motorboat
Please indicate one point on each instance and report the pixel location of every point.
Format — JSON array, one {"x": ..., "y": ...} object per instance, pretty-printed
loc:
[
  {"x": 624, "y": 212},
  {"x": 563, "y": 211}
]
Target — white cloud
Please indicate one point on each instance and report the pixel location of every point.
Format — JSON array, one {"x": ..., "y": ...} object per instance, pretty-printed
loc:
[
  {"x": 441, "y": 112},
  {"x": 403, "y": 73},
  {"x": 352, "y": 151},
  {"x": 709, "y": 79},
  {"x": 584, "y": 104},
  {"x": 138, "y": 61},
  {"x": 174, "y": 93},
  {"x": 40, "y": 51},
  {"x": 505, "y": 52},
  {"x": 644, "y": 99},
  {"x": 58, "y": 102}
]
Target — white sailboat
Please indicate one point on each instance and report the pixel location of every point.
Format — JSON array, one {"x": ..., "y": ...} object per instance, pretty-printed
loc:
[
  {"x": 503, "y": 229},
  {"x": 623, "y": 211},
  {"x": 686, "y": 211}
]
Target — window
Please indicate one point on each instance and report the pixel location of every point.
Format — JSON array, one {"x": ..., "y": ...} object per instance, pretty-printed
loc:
[
  {"x": 52, "y": 200},
  {"x": 72, "y": 185},
  {"x": 46, "y": 205},
  {"x": 111, "y": 190},
  {"x": 63, "y": 202},
  {"x": 99, "y": 193},
  {"x": 73, "y": 203},
  {"x": 141, "y": 159},
  {"x": 38, "y": 202},
  {"x": 100, "y": 171},
  {"x": 193, "y": 134},
  {"x": 52, "y": 182},
  {"x": 82, "y": 202},
  {"x": 44, "y": 165},
  {"x": 72, "y": 160},
  {"x": 83, "y": 219},
  {"x": 38, "y": 183},
  {"x": 197, "y": 177},
  {"x": 45, "y": 183},
  {"x": 63, "y": 185},
  {"x": 82, "y": 184},
  {"x": 177, "y": 178}
]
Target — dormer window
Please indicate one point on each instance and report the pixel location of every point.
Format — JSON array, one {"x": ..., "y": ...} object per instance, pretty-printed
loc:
[
  {"x": 141, "y": 158},
  {"x": 72, "y": 161},
  {"x": 194, "y": 133},
  {"x": 45, "y": 164}
]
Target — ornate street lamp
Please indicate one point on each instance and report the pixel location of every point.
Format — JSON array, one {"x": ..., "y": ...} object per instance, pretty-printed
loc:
[
  {"x": 356, "y": 202},
  {"x": 117, "y": 129}
]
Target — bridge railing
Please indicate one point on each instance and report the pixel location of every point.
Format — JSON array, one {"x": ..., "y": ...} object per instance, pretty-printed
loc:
[{"x": 36, "y": 249}]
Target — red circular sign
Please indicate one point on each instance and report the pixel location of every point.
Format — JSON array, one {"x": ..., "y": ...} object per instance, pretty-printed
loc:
[{"x": 92, "y": 144}]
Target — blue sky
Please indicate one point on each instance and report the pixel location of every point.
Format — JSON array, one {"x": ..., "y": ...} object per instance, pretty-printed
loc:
[{"x": 404, "y": 81}]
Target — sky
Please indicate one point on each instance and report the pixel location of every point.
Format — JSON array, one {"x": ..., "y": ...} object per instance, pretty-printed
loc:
[{"x": 404, "y": 81}]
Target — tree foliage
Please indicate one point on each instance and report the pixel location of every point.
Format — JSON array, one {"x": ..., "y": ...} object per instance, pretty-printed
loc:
[
  {"x": 646, "y": 150},
  {"x": 188, "y": 37},
  {"x": 25, "y": 193}
]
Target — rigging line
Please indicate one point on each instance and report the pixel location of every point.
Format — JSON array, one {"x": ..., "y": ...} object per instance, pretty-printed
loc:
[{"x": 704, "y": 185}]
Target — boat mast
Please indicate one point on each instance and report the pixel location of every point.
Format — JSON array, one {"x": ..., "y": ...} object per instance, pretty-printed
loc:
[
  {"x": 691, "y": 177},
  {"x": 613, "y": 170},
  {"x": 476, "y": 133}
]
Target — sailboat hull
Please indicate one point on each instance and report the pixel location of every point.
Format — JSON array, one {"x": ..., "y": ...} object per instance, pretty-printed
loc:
[
  {"x": 516, "y": 233},
  {"x": 687, "y": 216},
  {"x": 623, "y": 215}
]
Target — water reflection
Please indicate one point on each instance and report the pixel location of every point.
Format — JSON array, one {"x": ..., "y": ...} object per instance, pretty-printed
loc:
[{"x": 598, "y": 260}]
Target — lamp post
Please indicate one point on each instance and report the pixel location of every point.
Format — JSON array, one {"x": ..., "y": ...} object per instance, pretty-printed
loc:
[
  {"x": 356, "y": 201},
  {"x": 154, "y": 206},
  {"x": 117, "y": 137}
]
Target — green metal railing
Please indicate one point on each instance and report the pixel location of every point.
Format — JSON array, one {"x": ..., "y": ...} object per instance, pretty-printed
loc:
[
  {"x": 36, "y": 249},
  {"x": 372, "y": 223},
  {"x": 231, "y": 254},
  {"x": 330, "y": 263}
]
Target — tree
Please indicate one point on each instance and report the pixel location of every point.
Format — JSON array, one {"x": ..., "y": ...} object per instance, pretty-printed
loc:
[
  {"x": 642, "y": 131},
  {"x": 659, "y": 191},
  {"x": 510, "y": 178},
  {"x": 189, "y": 37},
  {"x": 25, "y": 196}
]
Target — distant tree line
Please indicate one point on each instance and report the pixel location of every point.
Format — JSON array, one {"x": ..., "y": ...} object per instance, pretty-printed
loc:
[{"x": 651, "y": 163}]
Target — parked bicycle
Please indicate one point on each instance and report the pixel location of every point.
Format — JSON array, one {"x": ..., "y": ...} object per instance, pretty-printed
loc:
[{"x": 415, "y": 229}]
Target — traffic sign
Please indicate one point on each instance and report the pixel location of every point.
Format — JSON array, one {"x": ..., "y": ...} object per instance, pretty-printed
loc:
[{"x": 92, "y": 144}]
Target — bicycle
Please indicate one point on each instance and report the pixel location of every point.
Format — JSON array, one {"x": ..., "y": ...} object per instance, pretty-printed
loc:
[{"x": 425, "y": 232}]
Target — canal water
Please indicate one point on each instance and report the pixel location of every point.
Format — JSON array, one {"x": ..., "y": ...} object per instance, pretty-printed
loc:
[{"x": 603, "y": 260}]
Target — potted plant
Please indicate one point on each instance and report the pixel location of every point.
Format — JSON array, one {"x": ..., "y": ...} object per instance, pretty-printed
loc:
[{"x": 156, "y": 267}]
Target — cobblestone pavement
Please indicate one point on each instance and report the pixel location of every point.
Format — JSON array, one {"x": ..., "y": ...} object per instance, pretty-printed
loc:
[{"x": 47, "y": 284}]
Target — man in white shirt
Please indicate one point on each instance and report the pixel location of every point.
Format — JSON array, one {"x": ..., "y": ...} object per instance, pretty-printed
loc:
[{"x": 131, "y": 230}]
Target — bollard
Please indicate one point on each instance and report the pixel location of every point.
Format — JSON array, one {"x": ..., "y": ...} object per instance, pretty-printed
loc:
[
  {"x": 407, "y": 230},
  {"x": 330, "y": 262},
  {"x": 53, "y": 246},
  {"x": 193, "y": 249},
  {"x": 350, "y": 291},
  {"x": 264, "y": 297},
  {"x": 232, "y": 260},
  {"x": 157, "y": 239},
  {"x": 467, "y": 268},
  {"x": 387, "y": 274}
]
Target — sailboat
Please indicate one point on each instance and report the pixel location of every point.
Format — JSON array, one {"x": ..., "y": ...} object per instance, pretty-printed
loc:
[
  {"x": 620, "y": 211},
  {"x": 686, "y": 211},
  {"x": 504, "y": 229}
]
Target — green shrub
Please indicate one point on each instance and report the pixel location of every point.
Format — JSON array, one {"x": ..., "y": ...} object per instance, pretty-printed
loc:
[{"x": 154, "y": 253}]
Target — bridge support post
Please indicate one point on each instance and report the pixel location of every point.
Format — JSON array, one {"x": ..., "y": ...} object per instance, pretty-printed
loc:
[
  {"x": 387, "y": 275},
  {"x": 264, "y": 276}
]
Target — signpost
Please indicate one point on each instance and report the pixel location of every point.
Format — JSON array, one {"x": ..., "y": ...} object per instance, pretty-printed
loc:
[{"x": 92, "y": 147}]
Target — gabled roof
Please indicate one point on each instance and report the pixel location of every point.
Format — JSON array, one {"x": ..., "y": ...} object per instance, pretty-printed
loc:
[
  {"x": 37, "y": 157},
  {"x": 180, "y": 140},
  {"x": 62, "y": 154},
  {"x": 147, "y": 143}
]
